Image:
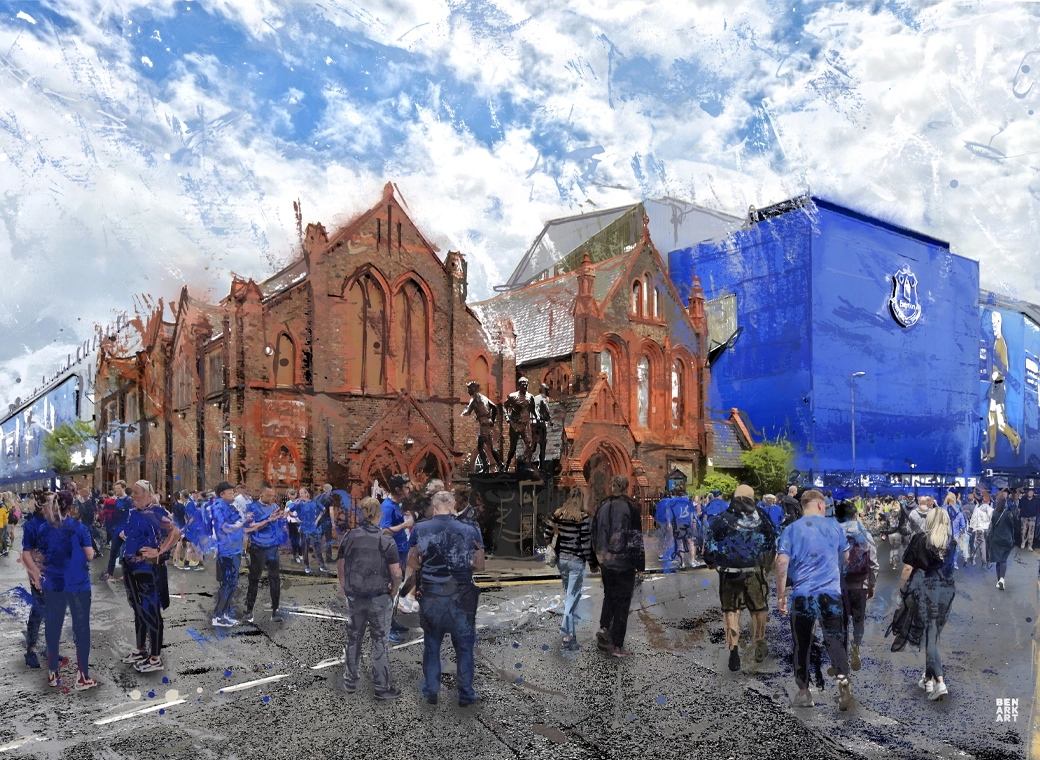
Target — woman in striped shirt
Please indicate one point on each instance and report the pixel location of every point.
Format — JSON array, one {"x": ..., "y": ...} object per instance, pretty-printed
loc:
[{"x": 569, "y": 530}]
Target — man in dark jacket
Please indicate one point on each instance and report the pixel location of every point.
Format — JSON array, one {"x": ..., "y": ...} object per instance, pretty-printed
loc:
[
  {"x": 369, "y": 568},
  {"x": 1001, "y": 536},
  {"x": 617, "y": 543},
  {"x": 792, "y": 507},
  {"x": 1028, "y": 510},
  {"x": 741, "y": 545}
]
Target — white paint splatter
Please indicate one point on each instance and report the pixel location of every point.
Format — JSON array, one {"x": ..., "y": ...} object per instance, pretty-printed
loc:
[
  {"x": 146, "y": 61},
  {"x": 328, "y": 60},
  {"x": 166, "y": 156},
  {"x": 26, "y": 16},
  {"x": 155, "y": 35}
]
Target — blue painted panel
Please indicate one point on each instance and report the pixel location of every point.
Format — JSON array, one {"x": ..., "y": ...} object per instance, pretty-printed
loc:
[
  {"x": 766, "y": 373},
  {"x": 915, "y": 401},
  {"x": 1031, "y": 399},
  {"x": 20, "y": 436}
]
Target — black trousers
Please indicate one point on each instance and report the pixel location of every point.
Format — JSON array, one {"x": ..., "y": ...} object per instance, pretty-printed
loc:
[
  {"x": 829, "y": 611},
  {"x": 618, "y": 586},
  {"x": 856, "y": 609},
  {"x": 143, "y": 591},
  {"x": 261, "y": 557}
]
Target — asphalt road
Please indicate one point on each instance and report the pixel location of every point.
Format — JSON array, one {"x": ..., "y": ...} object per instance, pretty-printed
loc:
[{"x": 673, "y": 699}]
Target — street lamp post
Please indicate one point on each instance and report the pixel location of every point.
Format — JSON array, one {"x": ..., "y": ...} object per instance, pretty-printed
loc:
[{"x": 852, "y": 392}]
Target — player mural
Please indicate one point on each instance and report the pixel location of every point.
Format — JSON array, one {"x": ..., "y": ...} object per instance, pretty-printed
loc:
[{"x": 1002, "y": 367}]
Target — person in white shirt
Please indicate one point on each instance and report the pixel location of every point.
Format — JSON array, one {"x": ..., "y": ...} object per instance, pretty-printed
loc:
[{"x": 980, "y": 521}]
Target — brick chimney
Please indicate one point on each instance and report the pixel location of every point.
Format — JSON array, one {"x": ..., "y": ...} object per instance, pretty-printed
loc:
[{"x": 585, "y": 314}]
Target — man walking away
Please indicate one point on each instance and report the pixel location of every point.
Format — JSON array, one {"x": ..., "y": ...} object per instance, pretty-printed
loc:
[
  {"x": 267, "y": 532},
  {"x": 617, "y": 543},
  {"x": 445, "y": 552},
  {"x": 861, "y": 573},
  {"x": 369, "y": 570},
  {"x": 1028, "y": 511},
  {"x": 813, "y": 550},
  {"x": 741, "y": 545},
  {"x": 792, "y": 508}
]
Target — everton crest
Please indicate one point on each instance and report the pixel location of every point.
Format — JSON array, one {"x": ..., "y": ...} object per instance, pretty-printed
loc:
[{"x": 906, "y": 307}]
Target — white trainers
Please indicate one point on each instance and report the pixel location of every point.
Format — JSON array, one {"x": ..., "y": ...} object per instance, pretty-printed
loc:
[
  {"x": 927, "y": 685},
  {"x": 1000, "y": 583},
  {"x": 844, "y": 693},
  {"x": 938, "y": 692},
  {"x": 803, "y": 700}
]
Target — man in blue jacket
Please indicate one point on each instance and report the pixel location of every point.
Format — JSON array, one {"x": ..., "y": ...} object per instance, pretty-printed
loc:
[
  {"x": 227, "y": 524},
  {"x": 267, "y": 531},
  {"x": 115, "y": 526},
  {"x": 395, "y": 523}
]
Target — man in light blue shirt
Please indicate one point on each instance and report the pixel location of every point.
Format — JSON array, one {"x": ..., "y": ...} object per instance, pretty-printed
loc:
[{"x": 813, "y": 550}]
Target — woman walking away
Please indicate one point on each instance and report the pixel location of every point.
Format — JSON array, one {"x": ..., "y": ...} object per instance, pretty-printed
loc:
[
  {"x": 980, "y": 522},
  {"x": 149, "y": 535},
  {"x": 1001, "y": 537},
  {"x": 569, "y": 531},
  {"x": 66, "y": 549},
  {"x": 928, "y": 575}
]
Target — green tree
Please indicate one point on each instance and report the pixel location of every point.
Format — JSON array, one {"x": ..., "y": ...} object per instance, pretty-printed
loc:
[
  {"x": 767, "y": 466},
  {"x": 718, "y": 481},
  {"x": 59, "y": 444}
]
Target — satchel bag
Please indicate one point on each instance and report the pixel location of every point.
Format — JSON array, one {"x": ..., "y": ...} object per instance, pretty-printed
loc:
[{"x": 906, "y": 623}]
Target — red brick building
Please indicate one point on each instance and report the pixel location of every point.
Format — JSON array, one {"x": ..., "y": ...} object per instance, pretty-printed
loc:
[
  {"x": 348, "y": 365},
  {"x": 624, "y": 360}
]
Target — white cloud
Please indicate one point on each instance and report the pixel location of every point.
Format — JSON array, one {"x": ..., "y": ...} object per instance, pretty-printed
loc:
[{"x": 126, "y": 172}]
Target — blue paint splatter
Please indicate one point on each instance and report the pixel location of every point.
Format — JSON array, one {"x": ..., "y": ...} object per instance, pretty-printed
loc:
[
  {"x": 953, "y": 183},
  {"x": 651, "y": 599},
  {"x": 227, "y": 673},
  {"x": 704, "y": 582},
  {"x": 221, "y": 691},
  {"x": 199, "y": 637},
  {"x": 518, "y": 681},
  {"x": 684, "y": 714},
  {"x": 631, "y": 718},
  {"x": 519, "y": 665},
  {"x": 545, "y": 647},
  {"x": 162, "y": 712},
  {"x": 267, "y": 699},
  {"x": 165, "y": 679},
  {"x": 516, "y": 645},
  {"x": 151, "y": 695},
  {"x": 661, "y": 700}
]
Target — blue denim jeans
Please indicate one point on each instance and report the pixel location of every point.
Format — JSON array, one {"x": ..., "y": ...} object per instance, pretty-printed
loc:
[
  {"x": 829, "y": 611},
  {"x": 572, "y": 573},
  {"x": 374, "y": 614},
  {"x": 456, "y": 616},
  {"x": 936, "y": 597},
  {"x": 227, "y": 575},
  {"x": 79, "y": 605}
]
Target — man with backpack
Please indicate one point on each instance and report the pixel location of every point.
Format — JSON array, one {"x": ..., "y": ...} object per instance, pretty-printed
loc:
[
  {"x": 859, "y": 576},
  {"x": 791, "y": 506}
]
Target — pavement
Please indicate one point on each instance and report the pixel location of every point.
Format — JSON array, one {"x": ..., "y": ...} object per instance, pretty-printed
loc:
[{"x": 272, "y": 690}]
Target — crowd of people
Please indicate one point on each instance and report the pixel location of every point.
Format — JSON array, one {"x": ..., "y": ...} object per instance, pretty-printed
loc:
[{"x": 417, "y": 550}]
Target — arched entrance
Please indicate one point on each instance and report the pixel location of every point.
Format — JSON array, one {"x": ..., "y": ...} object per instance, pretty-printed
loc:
[
  {"x": 382, "y": 462},
  {"x": 602, "y": 459},
  {"x": 428, "y": 466}
]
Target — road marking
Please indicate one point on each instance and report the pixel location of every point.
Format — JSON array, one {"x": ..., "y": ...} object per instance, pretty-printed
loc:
[
  {"x": 135, "y": 713},
  {"x": 251, "y": 684},
  {"x": 19, "y": 742},
  {"x": 309, "y": 612},
  {"x": 329, "y": 663},
  {"x": 409, "y": 643}
]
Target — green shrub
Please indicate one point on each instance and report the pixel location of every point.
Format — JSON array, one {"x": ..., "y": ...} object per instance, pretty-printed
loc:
[{"x": 768, "y": 466}]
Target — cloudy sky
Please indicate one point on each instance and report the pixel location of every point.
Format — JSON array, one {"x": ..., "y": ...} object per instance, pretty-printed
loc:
[{"x": 144, "y": 145}]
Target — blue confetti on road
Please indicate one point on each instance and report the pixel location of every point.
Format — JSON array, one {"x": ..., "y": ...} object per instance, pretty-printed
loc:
[
  {"x": 267, "y": 699},
  {"x": 651, "y": 599},
  {"x": 661, "y": 700},
  {"x": 631, "y": 718},
  {"x": 684, "y": 714},
  {"x": 151, "y": 695},
  {"x": 518, "y": 681},
  {"x": 545, "y": 647},
  {"x": 704, "y": 582},
  {"x": 519, "y": 665},
  {"x": 227, "y": 674},
  {"x": 162, "y": 712},
  {"x": 221, "y": 691},
  {"x": 516, "y": 645},
  {"x": 165, "y": 679}
]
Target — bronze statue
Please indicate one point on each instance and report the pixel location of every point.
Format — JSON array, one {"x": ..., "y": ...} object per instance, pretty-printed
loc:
[
  {"x": 519, "y": 409},
  {"x": 542, "y": 419},
  {"x": 487, "y": 414}
]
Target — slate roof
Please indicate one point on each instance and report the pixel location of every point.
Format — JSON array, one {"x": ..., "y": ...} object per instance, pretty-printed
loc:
[
  {"x": 543, "y": 312},
  {"x": 727, "y": 444},
  {"x": 283, "y": 280}
]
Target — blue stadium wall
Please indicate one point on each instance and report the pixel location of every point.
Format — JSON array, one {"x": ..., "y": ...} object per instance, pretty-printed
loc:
[
  {"x": 813, "y": 289},
  {"x": 21, "y": 435}
]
